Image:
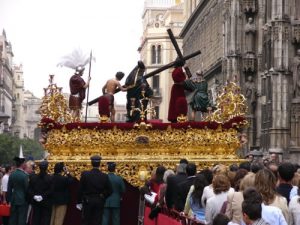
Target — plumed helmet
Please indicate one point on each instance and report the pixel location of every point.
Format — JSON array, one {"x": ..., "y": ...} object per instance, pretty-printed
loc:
[{"x": 79, "y": 69}]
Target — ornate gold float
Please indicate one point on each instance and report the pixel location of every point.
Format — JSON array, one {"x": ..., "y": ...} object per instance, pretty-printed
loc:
[{"x": 137, "y": 150}]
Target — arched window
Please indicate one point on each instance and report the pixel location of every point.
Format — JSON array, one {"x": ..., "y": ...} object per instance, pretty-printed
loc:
[
  {"x": 153, "y": 54},
  {"x": 159, "y": 54}
]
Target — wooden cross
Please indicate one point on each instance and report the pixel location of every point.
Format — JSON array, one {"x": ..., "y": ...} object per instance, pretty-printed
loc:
[{"x": 178, "y": 51}]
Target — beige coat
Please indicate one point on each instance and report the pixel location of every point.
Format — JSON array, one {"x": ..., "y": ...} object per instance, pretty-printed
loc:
[{"x": 234, "y": 207}]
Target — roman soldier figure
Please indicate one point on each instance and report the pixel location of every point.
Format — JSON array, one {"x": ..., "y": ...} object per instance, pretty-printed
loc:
[{"x": 77, "y": 92}]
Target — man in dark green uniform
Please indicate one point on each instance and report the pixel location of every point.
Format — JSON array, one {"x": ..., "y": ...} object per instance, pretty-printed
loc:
[
  {"x": 94, "y": 188},
  {"x": 112, "y": 204},
  {"x": 17, "y": 190}
]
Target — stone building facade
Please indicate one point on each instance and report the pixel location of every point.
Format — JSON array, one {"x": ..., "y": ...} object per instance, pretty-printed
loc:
[
  {"x": 156, "y": 48},
  {"x": 19, "y": 109},
  {"x": 256, "y": 43},
  {"x": 6, "y": 83}
]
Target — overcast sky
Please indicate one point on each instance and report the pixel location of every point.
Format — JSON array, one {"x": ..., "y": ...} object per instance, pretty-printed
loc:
[{"x": 42, "y": 31}]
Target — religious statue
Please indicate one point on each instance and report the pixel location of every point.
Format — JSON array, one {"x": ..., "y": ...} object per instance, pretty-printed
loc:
[
  {"x": 109, "y": 90},
  {"x": 177, "y": 90},
  {"x": 250, "y": 31},
  {"x": 200, "y": 101},
  {"x": 137, "y": 88},
  {"x": 77, "y": 61},
  {"x": 77, "y": 92},
  {"x": 296, "y": 74},
  {"x": 250, "y": 94}
]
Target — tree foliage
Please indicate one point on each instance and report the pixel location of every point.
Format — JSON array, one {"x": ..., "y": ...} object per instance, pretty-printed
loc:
[{"x": 10, "y": 146}]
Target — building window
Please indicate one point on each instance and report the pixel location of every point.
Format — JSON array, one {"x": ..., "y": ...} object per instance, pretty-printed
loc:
[
  {"x": 159, "y": 54},
  {"x": 118, "y": 117},
  {"x": 18, "y": 95},
  {"x": 18, "y": 77},
  {"x": 156, "y": 54},
  {"x": 155, "y": 82},
  {"x": 153, "y": 54},
  {"x": 156, "y": 108}
]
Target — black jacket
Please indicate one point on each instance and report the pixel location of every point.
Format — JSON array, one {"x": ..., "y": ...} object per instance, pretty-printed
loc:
[
  {"x": 61, "y": 189},
  {"x": 92, "y": 184},
  {"x": 184, "y": 187},
  {"x": 172, "y": 190},
  {"x": 41, "y": 184}
]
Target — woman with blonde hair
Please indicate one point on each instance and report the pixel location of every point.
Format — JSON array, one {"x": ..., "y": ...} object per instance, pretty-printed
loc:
[
  {"x": 265, "y": 183},
  {"x": 221, "y": 186},
  {"x": 235, "y": 199}
]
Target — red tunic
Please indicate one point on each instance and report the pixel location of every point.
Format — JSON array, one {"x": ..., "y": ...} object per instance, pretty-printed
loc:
[
  {"x": 77, "y": 92},
  {"x": 177, "y": 92}
]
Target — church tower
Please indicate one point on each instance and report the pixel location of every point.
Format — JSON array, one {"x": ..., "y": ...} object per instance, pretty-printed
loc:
[
  {"x": 156, "y": 48},
  {"x": 18, "y": 121}
]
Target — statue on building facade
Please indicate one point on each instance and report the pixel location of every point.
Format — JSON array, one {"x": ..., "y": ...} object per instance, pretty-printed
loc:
[
  {"x": 296, "y": 74},
  {"x": 250, "y": 31},
  {"x": 251, "y": 94}
]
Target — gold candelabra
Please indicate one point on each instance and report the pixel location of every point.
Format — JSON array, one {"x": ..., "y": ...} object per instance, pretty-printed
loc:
[
  {"x": 54, "y": 105},
  {"x": 143, "y": 110}
]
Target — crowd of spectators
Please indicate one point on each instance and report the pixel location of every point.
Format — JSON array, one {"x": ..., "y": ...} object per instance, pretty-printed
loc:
[{"x": 253, "y": 192}]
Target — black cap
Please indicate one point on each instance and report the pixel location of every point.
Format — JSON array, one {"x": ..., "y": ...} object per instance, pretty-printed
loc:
[
  {"x": 111, "y": 166},
  {"x": 59, "y": 167},
  {"x": 19, "y": 160},
  {"x": 43, "y": 164},
  {"x": 96, "y": 158}
]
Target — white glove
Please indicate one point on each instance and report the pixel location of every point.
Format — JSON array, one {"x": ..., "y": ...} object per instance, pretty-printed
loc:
[
  {"x": 38, "y": 198},
  {"x": 79, "y": 206}
]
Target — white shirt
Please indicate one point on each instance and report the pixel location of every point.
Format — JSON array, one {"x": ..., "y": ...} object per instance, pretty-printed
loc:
[
  {"x": 4, "y": 183},
  {"x": 272, "y": 215},
  {"x": 208, "y": 192},
  {"x": 214, "y": 205},
  {"x": 294, "y": 209}
]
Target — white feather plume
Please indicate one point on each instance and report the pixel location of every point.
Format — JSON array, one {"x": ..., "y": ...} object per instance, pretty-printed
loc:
[{"x": 76, "y": 58}]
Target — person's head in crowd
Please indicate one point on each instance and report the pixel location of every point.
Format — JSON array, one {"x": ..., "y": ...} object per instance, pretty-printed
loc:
[
  {"x": 30, "y": 167},
  {"x": 252, "y": 194},
  {"x": 266, "y": 162},
  {"x": 247, "y": 181},
  {"x": 233, "y": 167},
  {"x": 265, "y": 184},
  {"x": 274, "y": 168},
  {"x": 181, "y": 168},
  {"x": 59, "y": 167},
  {"x": 231, "y": 175},
  {"x": 240, "y": 174},
  {"x": 256, "y": 166},
  {"x": 220, "y": 184},
  {"x": 183, "y": 161},
  {"x": 274, "y": 157},
  {"x": 250, "y": 157},
  {"x": 111, "y": 167},
  {"x": 220, "y": 219},
  {"x": 7, "y": 169},
  {"x": 167, "y": 174},
  {"x": 159, "y": 174},
  {"x": 200, "y": 183},
  {"x": 95, "y": 161},
  {"x": 296, "y": 179},
  {"x": 219, "y": 169},
  {"x": 286, "y": 172},
  {"x": 245, "y": 165},
  {"x": 207, "y": 173},
  {"x": 43, "y": 165},
  {"x": 251, "y": 206},
  {"x": 191, "y": 169}
]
